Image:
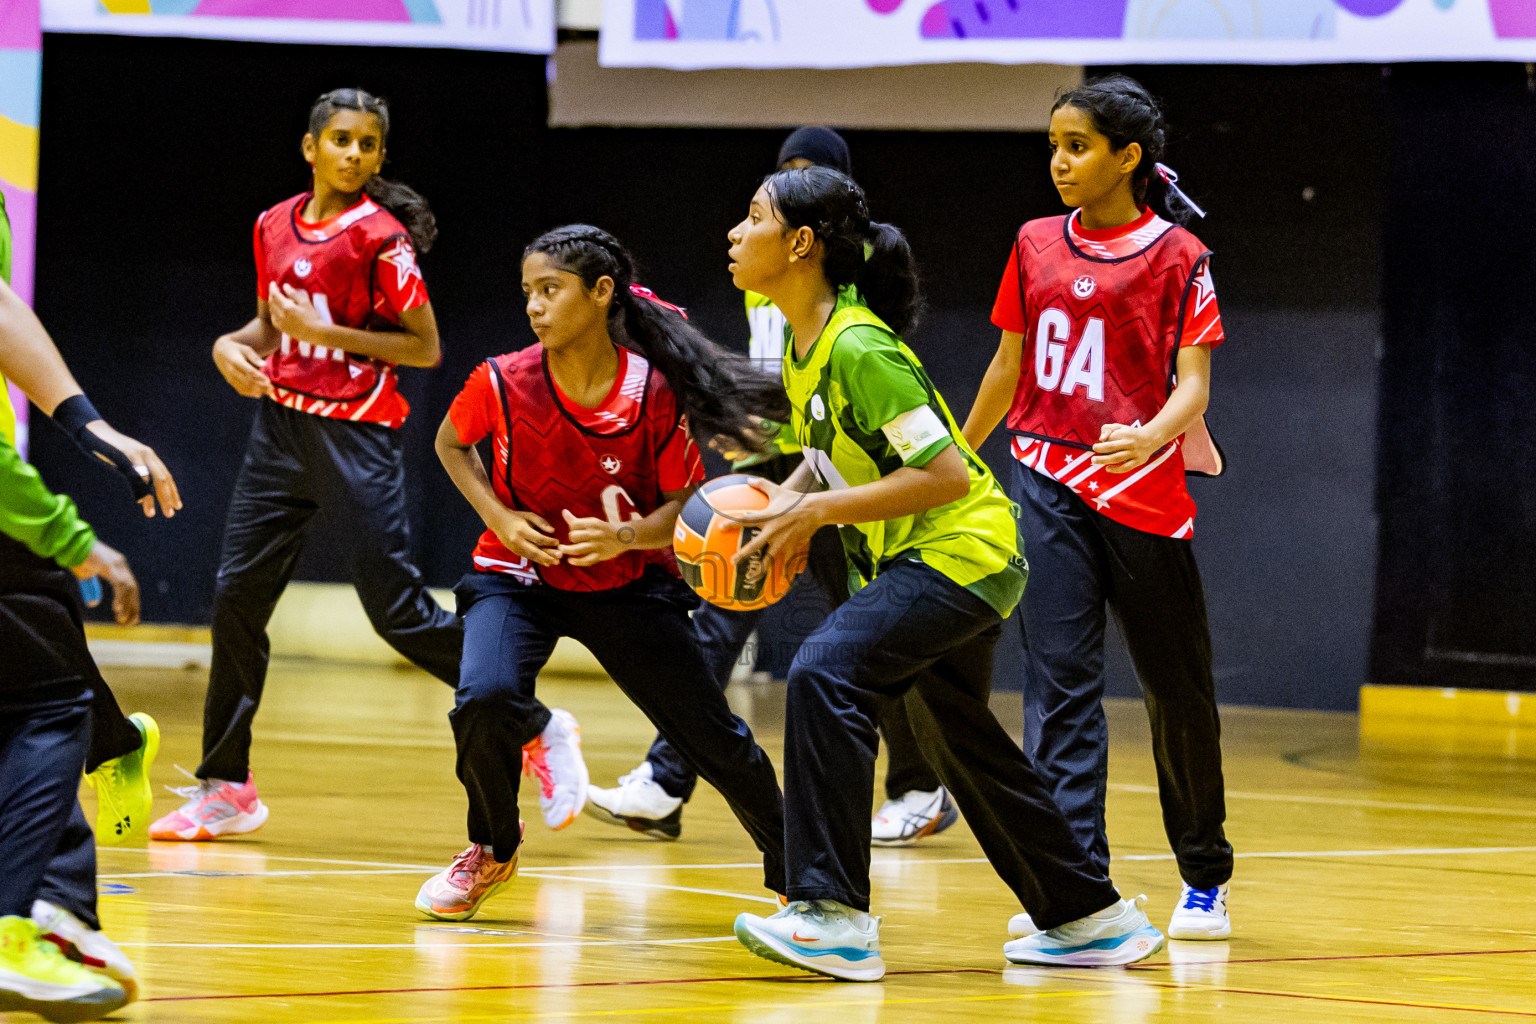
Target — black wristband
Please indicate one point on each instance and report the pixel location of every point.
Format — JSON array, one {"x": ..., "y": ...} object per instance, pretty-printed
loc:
[{"x": 74, "y": 413}]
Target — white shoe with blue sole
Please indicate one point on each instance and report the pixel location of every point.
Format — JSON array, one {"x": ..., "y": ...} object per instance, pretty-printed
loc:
[
  {"x": 1116, "y": 935},
  {"x": 820, "y": 936}
]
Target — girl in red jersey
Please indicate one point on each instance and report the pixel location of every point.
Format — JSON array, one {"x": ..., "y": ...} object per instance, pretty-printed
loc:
[
  {"x": 592, "y": 461},
  {"x": 1109, "y": 317},
  {"x": 339, "y": 303}
]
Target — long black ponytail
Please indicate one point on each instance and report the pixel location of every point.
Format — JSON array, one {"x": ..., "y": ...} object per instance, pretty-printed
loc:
[
  {"x": 855, "y": 250},
  {"x": 1124, "y": 111},
  {"x": 408, "y": 205},
  {"x": 722, "y": 392}
]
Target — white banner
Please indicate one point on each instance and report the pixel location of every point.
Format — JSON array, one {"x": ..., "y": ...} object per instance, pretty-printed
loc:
[
  {"x": 868, "y": 33},
  {"x": 523, "y": 25}
]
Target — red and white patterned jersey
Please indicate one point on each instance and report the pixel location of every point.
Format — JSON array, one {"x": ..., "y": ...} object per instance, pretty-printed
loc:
[
  {"x": 360, "y": 271},
  {"x": 612, "y": 462},
  {"x": 1103, "y": 315}
]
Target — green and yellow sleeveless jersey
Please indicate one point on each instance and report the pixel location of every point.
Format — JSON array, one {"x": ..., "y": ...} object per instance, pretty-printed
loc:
[{"x": 863, "y": 407}]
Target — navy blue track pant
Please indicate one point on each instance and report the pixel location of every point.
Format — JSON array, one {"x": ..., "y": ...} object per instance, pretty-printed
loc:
[
  {"x": 1081, "y": 561},
  {"x": 723, "y": 635},
  {"x": 641, "y": 636},
  {"x": 914, "y": 635},
  {"x": 295, "y": 464},
  {"x": 47, "y": 850}
]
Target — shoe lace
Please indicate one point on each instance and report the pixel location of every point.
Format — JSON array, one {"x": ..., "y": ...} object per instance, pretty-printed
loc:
[
  {"x": 536, "y": 764},
  {"x": 464, "y": 868},
  {"x": 1203, "y": 900},
  {"x": 200, "y": 787}
]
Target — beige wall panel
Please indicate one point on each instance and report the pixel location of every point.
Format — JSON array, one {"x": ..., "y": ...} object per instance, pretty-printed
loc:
[{"x": 934, "y": 97}]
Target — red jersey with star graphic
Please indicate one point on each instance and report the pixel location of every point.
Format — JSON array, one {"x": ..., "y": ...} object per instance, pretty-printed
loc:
[
  {"x": 1103, "y": 315},
  {"x": 613, "y": 462},
  {"x": 359, "y": 270}
]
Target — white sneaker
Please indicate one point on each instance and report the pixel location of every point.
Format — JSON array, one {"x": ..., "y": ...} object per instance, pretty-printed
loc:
[
  {"x": 638, "y": 802},
  {"x": 820, "y": 936},
  {"x": 84, "y": 945},
  {"x": 1201, "y": 914},
  {"x": 911, "y": 816},
  {"x": 554, "y": 758},
  {"x": 1020, "y": 925},
  {"x": 1118, "y": 934}
]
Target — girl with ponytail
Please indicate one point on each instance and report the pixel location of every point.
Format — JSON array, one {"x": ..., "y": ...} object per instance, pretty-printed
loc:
[
  {"x": 649, "y": 799},
  {"x": 593, "y": 456},
  {"x": 1109, "y": 317},
  {"x": 931, "y": 544},
  {"x": 340, "y": 302}
]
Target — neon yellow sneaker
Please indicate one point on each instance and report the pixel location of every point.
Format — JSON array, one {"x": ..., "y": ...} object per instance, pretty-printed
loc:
[
  {"x": 123, "y": 796},
  {"x": 36, "y": 978}
]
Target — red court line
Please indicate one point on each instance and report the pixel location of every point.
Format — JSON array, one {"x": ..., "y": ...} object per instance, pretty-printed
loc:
[
  {"x": 1368, "y": 956},
  {"x": 890, "y": 974},
  {"x": 572, "y": 985}
]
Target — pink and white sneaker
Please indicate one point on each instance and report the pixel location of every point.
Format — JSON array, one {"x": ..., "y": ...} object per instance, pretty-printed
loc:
[
  {"x": 456, "y": 892},
  {"x": 214, "y": 808},
  {"x": 84, "y": 945},
  {"x": 554, "y": 758}
]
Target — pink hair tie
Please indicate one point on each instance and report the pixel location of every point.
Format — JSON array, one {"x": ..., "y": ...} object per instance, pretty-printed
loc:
[
  {"x": 642, "y": 292},
  {"x": 1171, "y": 177}
]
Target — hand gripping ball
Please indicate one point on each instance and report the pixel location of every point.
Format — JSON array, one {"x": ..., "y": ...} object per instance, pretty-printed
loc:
[{"x": 708, "y": 536}]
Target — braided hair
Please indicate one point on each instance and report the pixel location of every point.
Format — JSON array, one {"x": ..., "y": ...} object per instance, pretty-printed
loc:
[
  {"x": 401, "y": 200},
  {"x": 855, "y": 249},
  {"x": 1123, "y": 111},
  {"x": 723, "y": 394}
]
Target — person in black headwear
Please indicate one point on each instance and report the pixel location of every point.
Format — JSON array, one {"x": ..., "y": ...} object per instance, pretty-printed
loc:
[{"x": 650, "y": 798}]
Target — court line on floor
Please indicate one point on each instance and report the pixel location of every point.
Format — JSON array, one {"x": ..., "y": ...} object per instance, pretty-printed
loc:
[
  {"x": 1111, "y": 980},
  {"x": 1339, "y": 801},
  {"x": 628, "y": 982},
  {"x": 630, "y": 883},
  {"x": 428, "y": 947},
  {"x": 202, "y": 850},
  {"x": 214, "y": 873}
]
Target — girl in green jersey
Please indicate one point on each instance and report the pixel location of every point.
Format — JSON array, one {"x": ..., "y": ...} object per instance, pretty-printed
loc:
[{"x": 932, "y": 543}]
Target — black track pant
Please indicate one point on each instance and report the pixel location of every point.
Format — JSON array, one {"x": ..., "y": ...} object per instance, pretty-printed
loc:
[
  {"x": 723, "y": 635},
  {"x": 1081, "y": 561},
  {"x": 914, "y": 635},
  {"x": 641, "y": 636},
  {"x": 47, "y": 850},
  {"x": 295, "y": 464}
]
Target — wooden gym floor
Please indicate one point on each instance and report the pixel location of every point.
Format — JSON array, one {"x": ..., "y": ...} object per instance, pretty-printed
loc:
[{"x": 1377, "y": 883}]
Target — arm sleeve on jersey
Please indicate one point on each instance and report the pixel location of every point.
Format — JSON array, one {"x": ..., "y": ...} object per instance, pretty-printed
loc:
[
  {"x": 45, "y": 522},
  {"x": 398, "y": 278},
  {"x": 1202, "y": 314},
  {"x": 885, "y": 394},
  {"x": 263, "y": 282},
  {"x": 476, "y": 408},
  {"x": 1008, "y": 308}
]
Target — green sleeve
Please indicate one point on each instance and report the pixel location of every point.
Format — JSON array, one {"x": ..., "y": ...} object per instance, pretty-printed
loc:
[
  {"x": 881, "y": 384},
  {"x": 45, "y": 522},
  {"x": 5, "y": 241}
]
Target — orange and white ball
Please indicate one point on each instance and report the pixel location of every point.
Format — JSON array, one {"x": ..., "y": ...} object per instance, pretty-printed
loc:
[{"x": 708, "y": 536}]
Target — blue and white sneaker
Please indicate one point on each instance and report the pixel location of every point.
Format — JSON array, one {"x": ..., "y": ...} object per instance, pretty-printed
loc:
[
  {"x": 820, "y": 936},
  {"x": 912, "y": 816},
  {"x": 1119, "y": 934},
  {"x": 1201, "y": 914}
]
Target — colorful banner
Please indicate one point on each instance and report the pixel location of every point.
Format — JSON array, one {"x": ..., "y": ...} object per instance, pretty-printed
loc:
[
  {"x": 21, "y": 74},
  {"x": 867, "y": 33},
  {"x": 527, "y": 26}
]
